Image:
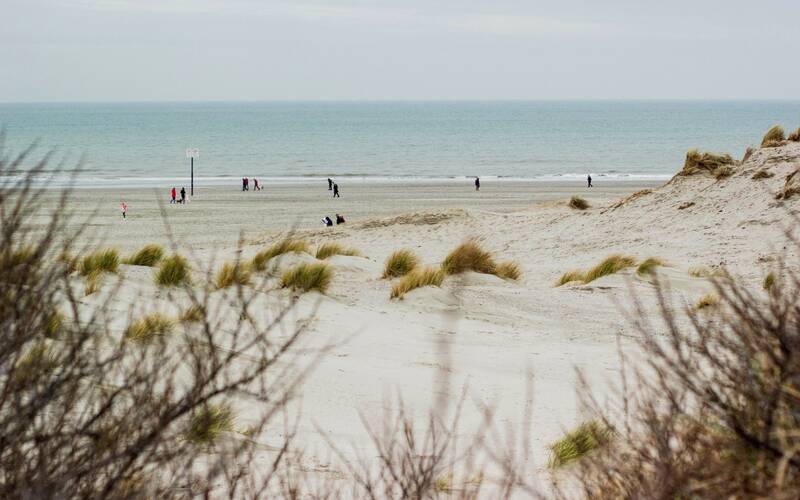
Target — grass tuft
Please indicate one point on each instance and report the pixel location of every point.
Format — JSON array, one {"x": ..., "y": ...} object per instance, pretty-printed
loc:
[
  {"x": 149, "y": 256},
  {"x": 400, "y": 263},
  {"x": 93, "y": 282},
  {"x": 35, "y": 364},
  {"x": 769, "y": 281},
  {"x": 285, "y": 246},
  {"x": 148, "y": 328},
  {"x": 469, "y": 256},
  {"x": 194, "y": 314},
  {"x": 794, "y": 136},
  {"x": 233, "y": 274},
  {"x": 578, "y": 203},
  {"x": 508, "y": 271},
  {"x": 649, "y": 265},
  {"x": 209, "y": 422},
  {"x": 174, "y": 271},
  {"x": 419, "y": 277},
  {"x": 774, "y": 137},
  {"x": 569, "y": 277},
  {"x": 578, "y": 442},
  {"x": 332, "y": 248},
  {"x": 707, "y": 301},
  {"x": 101, "y": 261},
  {"x": 722, "y": 172},
  {"x": 762, "y": 174},
  {"x": 705, "y": 272},
  {"x": 306, "y": 277},
  {"x": 610, "y": 265},
  {"x": 697, "y": 162}
]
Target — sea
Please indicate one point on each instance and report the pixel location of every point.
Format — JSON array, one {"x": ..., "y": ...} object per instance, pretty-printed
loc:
[{"x": 145, "y": 144}]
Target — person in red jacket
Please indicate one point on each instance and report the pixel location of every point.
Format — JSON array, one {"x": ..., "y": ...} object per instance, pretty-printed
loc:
[{"x": 174, "y": 195}]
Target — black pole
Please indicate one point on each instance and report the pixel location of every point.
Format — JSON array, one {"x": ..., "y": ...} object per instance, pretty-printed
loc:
[{"x": 192, "y": 188}]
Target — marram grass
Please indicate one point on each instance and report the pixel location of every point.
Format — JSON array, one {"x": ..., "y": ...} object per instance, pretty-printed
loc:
[
  {"x": 149, "y": 328},
  {"x": 284, "y": 246},
  {"x": 230, "y": 274},
  {"x": 173, "y": 271},
  {"x": 697, "y": 162},
  {"x": 419, "y": 277},
  {"x": 610, "y": 265},
  {"x": 308, "y": 276},
  {"x": 148, "y": 255},
  {"x": 577, "y": 443},
  {"x": 400, "y": 263},
  {"x": 578, "y": 203},
  {"x": 707, "y": 301},
  {"x": 209, "y": 422},
  {"x": 649, "y": 265},
  {"x": 469, "y": 256},
  {"x": 106, "y": 260},
  {"x": 774, "y": 137},
  {"x": 194, "y": 314},
  {"x": 769, "y": 281},
  {"x": 332, "y": 248},
  {"x": 508, "y": 270}
]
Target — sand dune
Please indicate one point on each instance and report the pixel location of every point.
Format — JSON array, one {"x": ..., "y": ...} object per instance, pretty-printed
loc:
[{"x": 476, "y": 331}]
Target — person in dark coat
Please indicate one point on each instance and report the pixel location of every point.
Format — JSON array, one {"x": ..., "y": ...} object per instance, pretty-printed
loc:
[
  {"x": 336, "y": 190},
  {"x": 339, "y": 219},
  {"x": 477, "y": 184}
]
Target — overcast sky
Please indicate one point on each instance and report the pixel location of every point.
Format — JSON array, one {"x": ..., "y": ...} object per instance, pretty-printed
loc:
[{"x": 129, "y": 50}]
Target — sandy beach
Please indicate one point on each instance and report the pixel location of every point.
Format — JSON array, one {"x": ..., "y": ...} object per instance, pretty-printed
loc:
[{"x": 507, "y": 344}]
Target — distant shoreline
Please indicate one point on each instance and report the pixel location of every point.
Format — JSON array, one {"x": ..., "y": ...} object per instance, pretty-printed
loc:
[{"x": 216, "y": 182}]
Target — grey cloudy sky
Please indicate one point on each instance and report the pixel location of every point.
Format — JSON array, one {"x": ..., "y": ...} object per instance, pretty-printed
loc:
[{"x": 106, "y": 50}]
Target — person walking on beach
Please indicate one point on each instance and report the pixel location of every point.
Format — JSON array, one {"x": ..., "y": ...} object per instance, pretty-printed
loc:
[
  {"x": 477, "y": 184},
  {"x": 330, "y": 184},
  {"x": 256, "y": 185},
  {"x": 589, "y": 180},
  {"x": 173, "y": 194},
  {"x": 124, "y": 207},
  {"x": 336, "y": 190},
  {"x": 183, "y": 195},
  {"x": 244, "y": 183}
]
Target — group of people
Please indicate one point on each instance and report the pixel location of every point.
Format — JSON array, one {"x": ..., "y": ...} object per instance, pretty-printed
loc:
[
  {"x": 328, "y": 222},
  {"x": 174, "y": 196},
  {"x": 332, "y": 186},
  {"x": 246, "y": 184}
]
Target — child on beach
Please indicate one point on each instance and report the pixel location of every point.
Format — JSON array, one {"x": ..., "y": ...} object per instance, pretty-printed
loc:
[
  {"x": 327, "y": 221},
  {"x": 124, "y": 207},
  {"x": 173, "y": 195}
]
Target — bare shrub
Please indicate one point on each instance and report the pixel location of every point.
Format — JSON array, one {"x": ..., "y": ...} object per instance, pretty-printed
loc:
[
  {"x": 716, "y": 412},
  {"x": 85, "y": 415}
]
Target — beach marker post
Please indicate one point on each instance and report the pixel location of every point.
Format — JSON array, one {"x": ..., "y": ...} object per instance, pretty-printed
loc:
[{"x": 192, "y": 153}]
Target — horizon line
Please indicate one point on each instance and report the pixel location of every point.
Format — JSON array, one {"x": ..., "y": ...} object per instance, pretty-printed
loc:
[{"x": 356, "y": 101}]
